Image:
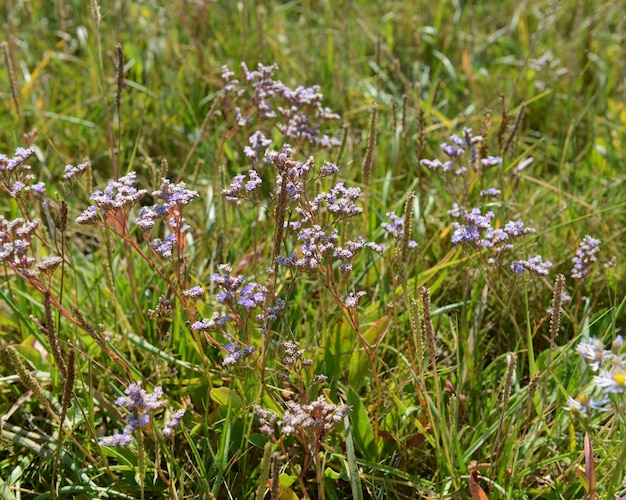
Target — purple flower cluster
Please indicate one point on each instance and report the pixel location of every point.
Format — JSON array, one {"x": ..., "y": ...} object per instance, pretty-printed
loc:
[
  {"x": 194, "y": 293},
  {"x": 472, "y": 227},
  {"x": 228, "y": 284},
  {"x": 175, "y": 197},
  {"x": 298, "y": 112},
  {"x": 15, "y": 179},
  {"x": 211, "y": 323},
  {"x": 119, "y": 194},
  {"x": 585, "y": 257},
  {"x": 258, "y": 145},
  {"x": 318, "y": 415},
  {"x": 140, "y": 404},
  {"x": 340, "y": 201},
  {"x": 534, "y": 264},
  {"x": 352, "y": 298},
  {"x": 16, "y": 237},
  {"x": 395, "y": 228},
  {"x": 235, "y": 353},
  {"x": 173, "y": 422},
  {"x": 252, "y": 295},
  {"x": 19, "y": 157},
  {"x": 74, "y": 171},
  {"x": 294, "y": 355},
  {"x": 238, "y": 189}
]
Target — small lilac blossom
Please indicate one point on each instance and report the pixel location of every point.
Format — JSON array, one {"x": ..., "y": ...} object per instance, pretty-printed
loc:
[
  {"x": 258, "y": 143},
  {"x": 39, "y": 189},
  {"x": 210, "y": 323},
  {"x": 173, "y": 422},
  {"x": 271, "y": 313},
  {"x": 328, "y": 169},
  {"x": 236, "y": 186},
  {"x": 490, "y": 193},
  {"x": 194, "y": 293},
  {"x": 516, "y": 228},
  {"x": 140, "y": 403},
  {"x": 534, "y": 264},
  {"x": 267, "y": 419},
  {"x": 164, "y": 247},
  {"x": 352, "y": 298},
  {"x": 15, "y": 241},
  {"x": 252, "y": 295},
  {"x": 235, "y": 353},
  {"x": 120, "y": 194},
  {"x": 437, "y": 165},
  {"x": 49, "y": 264},
  {"x": 490, "y": 161},
  {"x": 340, "y": 201},
  {"x": 254, "y": 182},
  {"x": 73, "y": 171},
  {"x": 319, "y": 414},
  {"x": 228, "y": 283},
  {"x": 19, "y": 157},
  {"x": 452, "y": 150},
  {"x": 116, "y": 439},
  {"x": 174, "y": 194},
  {"x": 91, "y": 215},
  {"x": 146, "y": 218},
  {"x": 18, "y": 189},
  {"x": 396, "y": 228},
  {"x": 585, "y": 257}
]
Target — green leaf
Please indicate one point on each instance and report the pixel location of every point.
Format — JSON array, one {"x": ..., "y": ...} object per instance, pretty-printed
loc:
[
  {"x": 360, "y": 364},
  {"x": 224, "y": 396},
  {"x": 33, "y": 355},
  {"x": 362, "y": 428}
]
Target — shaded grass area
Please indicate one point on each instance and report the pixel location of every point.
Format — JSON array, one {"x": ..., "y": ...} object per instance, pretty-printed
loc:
[{"x": 475, "y": 381}]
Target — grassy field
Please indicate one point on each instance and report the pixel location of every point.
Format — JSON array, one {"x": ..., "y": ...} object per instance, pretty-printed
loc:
[{"x": 313, "y": 249}]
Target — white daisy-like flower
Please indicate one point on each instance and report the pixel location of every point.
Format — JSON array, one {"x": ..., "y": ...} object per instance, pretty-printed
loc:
[{"x": 613, "y": 382}]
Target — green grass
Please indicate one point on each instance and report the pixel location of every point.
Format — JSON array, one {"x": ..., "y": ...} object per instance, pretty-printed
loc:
[{"x": 488, "y": 392}]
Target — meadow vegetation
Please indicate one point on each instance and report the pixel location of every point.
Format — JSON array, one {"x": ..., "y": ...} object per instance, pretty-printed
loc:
[{"x": 313, "y": 249}]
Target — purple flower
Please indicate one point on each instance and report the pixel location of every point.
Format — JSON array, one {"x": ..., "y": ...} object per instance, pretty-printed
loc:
[
  {"x": 437, "y": 165},
  {"x": 254, "y": 182},
  {"x": 534, "y": 264},
  {"x": 210, "y": 323},
  {"x": 252, "y": 295},
  {"x": 490, "y": 193},
  {"x": 140, "y": 403},
  {"x": 173, "y": 422},
  {"x": 194, "y": 293},
  {"x": 258, "y": 143},
  {"x": 174, "y": 194},
  {"x": 352, "y": 299},
  {"x": 585, "y": 257},
  {"x": 236, "y": 353},
  {"x": 235, "y": 188},
  {"x": 164, "y": 247},
  {"x": 491, "y": 161},
  {"x": 19, "y": 157},
  {"x": 72, "y": 171}
]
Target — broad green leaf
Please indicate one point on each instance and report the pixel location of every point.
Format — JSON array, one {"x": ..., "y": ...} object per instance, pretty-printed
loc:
[
  {"x": 360, "y": 364},
  {"x": 362, "y": 430},
  {"x": 224, "y": 396}
]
